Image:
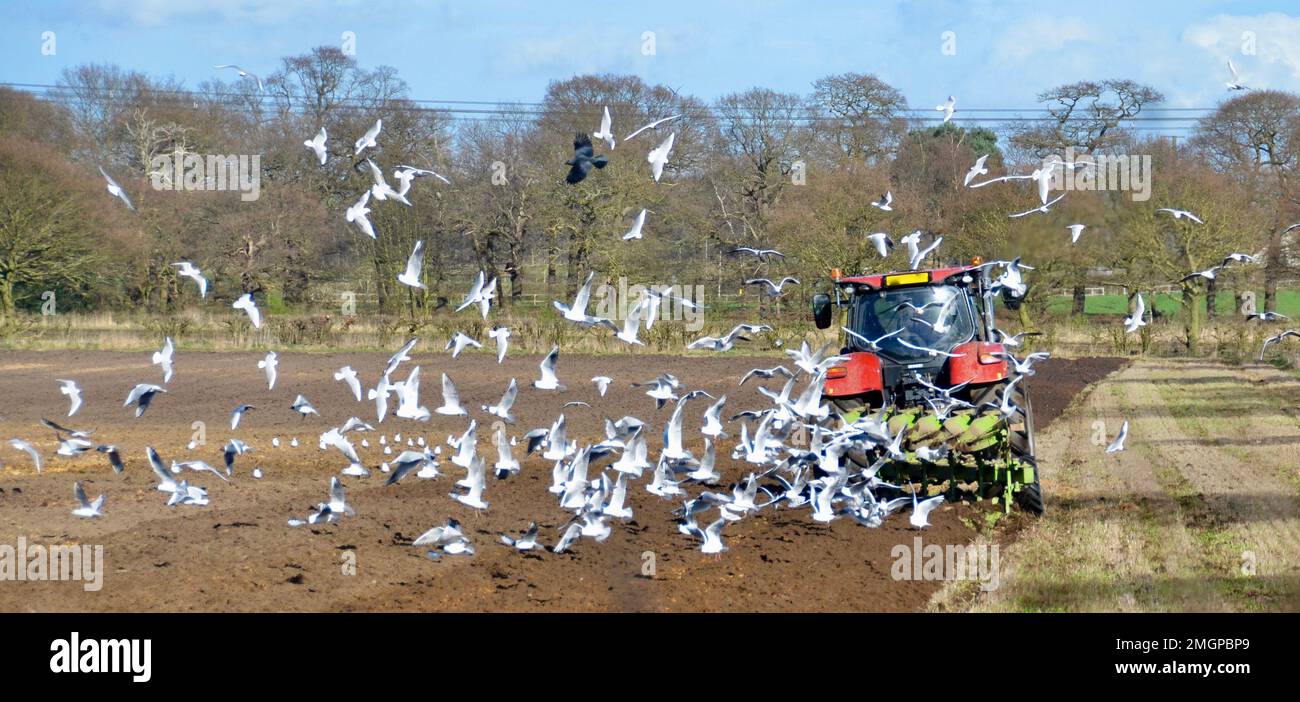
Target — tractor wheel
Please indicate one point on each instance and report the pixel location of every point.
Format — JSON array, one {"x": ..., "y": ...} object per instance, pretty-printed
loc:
[{"x": 1020, "y": 438}]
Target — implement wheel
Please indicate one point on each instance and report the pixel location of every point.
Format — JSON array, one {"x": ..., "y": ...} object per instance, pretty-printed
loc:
[{"x": 1020, "y": 440}]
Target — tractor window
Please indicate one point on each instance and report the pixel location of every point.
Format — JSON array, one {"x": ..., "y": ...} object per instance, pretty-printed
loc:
[{"x": 937, "y": 317}]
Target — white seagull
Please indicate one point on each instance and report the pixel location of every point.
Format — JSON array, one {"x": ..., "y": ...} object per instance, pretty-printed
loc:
[
  {"x": 164, "y": 358},
  {"x": 85, "y": 508},
  {"x": 548, "y": 379},
  {"x": 317, "y": 145},
  {"x": 658, "y": 156},
  {"x": 606, "y": 132},
  {"x": 242, "y": 74},
  {"x": 70, "y": 388},
  {"x": 367, "y": 140},
  {"x": 502, "y": 337},
  {"x": 269, "y": 365},
  {"x": 1118, "y": 443},
  {"x": 635, "y": 231},
  {"x": 947, "y": 108},
  {"x": 357, "y": 215},
  {"x": 349, "y": 376},
  {"x": 245, "y": 303},
  {"x": 653, "y": 125},
  {"x": 1135, "y": 320},
  {"x": 414, "y": 268},
  {"x": 188, "y": 270},
  {"x": 458, "y": 343},
  {"x": 1179, "y": 214},
  {"x": 116, "y": 190},
  {"x": 976, "y": 170}
]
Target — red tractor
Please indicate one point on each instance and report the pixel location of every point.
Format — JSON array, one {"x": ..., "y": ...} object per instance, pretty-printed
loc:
[{"x": 920, "y": 349}]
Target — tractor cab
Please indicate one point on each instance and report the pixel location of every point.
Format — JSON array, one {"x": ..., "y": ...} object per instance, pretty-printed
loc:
[{"x": 934, "y": 325}]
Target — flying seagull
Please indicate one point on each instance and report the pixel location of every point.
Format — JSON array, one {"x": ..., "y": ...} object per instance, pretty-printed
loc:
[
  {"x": 237, "y": 414},
  {"x": 188, "y": 270},
  {"x": 458, "y": 343},
  {"x": 548, "y": 379},
  {"x": 349, "y": 376},
  {"x": 920, "y": 518},
  {"x": 116, "y": 190},
  {"x": 357, "y": 215},
  {"x": 947, "y": 108},
  {"x": 414, "y": 268},
  {"x": 658, "y": 156},
  {"x": 528, "y": 540},
  {"x": 1275, "y": 339},
  {"x": 1118, "y": 443},
  {"x": 1235, "y": 83},
  {"x": 761, "y": 254},
  {"x": 164, "y": 358},
  {"x": 451, "y": 406},
  {"x": 882, "y": 242},
  {"x": 70, "y": 388},
  {"x": 367, "y": 140},
  {"x": 1208, "y": 274},
  {"x": 501, "y": 335},
  {"x": 406, "y": 174},
  {"x": 577, "y": 312},
  {"x": 606, "y": 133},
  {"x": 635, "y": 231},
  {"x": 653, "y": 125},
  {"x": 142, "y": 395},
  {"x": 31, "y": 451},
  {"x": 885, "y": 203},
  {"x": 245, "y": 303},
  {"x": 502, "y": 408},
  {"x": 1179, "y": 214},
  {"x": 242, "y": 74},
  {"x": 114, "y": 458},
  {"x": 85, "y": 508},
  {"x": 269, "y": 364},
  {"x": 1044, "y": 208},
  {"x": 772, "y": 289},
  {"x": 976, "y": 170},
  {"x": 303, "y": 407},
  {"x": 1135, "y": 320},
  {"x": 317, "y": 145},
  {"x": 1075, "y": 231},
  {"x": 480, "y": 294},
  {"x": 583, "y": 160},
  {"x": 380, "y": 188}
]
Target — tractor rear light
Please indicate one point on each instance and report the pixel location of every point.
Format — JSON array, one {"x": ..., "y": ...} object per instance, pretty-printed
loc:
[
  {"x": 988, "y": 359},
  {"x": 835, "y": 372}
]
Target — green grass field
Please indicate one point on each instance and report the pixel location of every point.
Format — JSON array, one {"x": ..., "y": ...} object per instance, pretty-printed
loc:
[{"x": 1288, "y": 303}]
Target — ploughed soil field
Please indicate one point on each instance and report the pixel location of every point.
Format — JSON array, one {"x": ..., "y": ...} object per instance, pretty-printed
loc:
[{"x": 239, "y": 554}]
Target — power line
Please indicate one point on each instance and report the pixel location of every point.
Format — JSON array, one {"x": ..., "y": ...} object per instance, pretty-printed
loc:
[{"x": 507, "y": 111}]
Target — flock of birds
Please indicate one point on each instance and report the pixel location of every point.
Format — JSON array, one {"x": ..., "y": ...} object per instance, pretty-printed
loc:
[{"x": 591, "y": 480}]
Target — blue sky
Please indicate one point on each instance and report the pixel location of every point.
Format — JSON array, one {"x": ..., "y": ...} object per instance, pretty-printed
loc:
[{"x": 1006, "y": 51}]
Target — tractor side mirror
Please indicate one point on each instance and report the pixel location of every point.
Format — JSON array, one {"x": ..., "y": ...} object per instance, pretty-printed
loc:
[{"x": 821, "y": 309}]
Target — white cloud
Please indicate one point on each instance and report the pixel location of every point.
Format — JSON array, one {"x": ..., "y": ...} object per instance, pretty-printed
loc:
[
  {"x": 153, "y": 13},
  {"x": 1038, "y": 35},
  {"x": 1276, "y": 62}
]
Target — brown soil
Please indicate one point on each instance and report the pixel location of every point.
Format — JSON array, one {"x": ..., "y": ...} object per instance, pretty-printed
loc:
[{"x": 239, "y": 554}]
